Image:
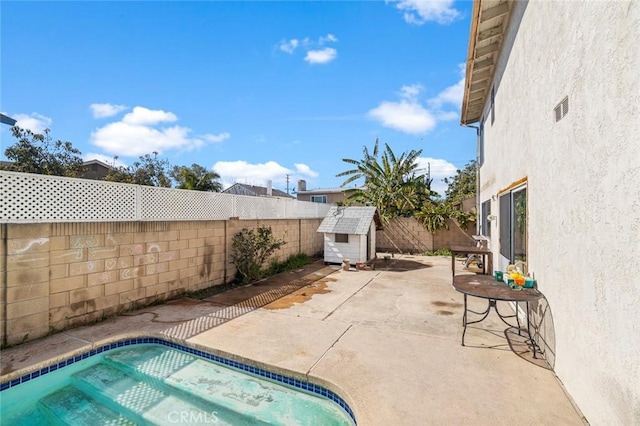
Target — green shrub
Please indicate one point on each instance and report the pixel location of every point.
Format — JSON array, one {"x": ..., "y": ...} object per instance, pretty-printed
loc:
[
  {"x": 439, "y": 252},
  {"x": 250, "y": 249},
  {"x": 295, "y": 261}
]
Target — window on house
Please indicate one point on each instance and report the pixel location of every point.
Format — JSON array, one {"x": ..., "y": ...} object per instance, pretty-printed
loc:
[
  {"x": 513, "y": 224},
  {"x": 342, "y": 238},
  {"x": 485, "y": 225},
  {"x": 319, "y": 199}
]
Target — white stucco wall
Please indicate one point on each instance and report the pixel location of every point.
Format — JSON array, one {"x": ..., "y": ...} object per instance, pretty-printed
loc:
[{"x": 583, "y": 187}]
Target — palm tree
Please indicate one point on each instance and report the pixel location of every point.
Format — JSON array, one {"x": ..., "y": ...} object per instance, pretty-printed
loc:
[
  {"x": 196, "y": 178},
  {"x": 392, "y": 184}
]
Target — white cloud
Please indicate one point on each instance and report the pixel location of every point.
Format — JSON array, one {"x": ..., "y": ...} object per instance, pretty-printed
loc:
[
  {"x": 315, "y": 53},
  {"x": 451, "y": 95},
  {"x": 322, "y": 56},
  {"x": 329, "y": 37},
  {"x": 411, "y": 91},
  {"x": 409, "y": 115},
  {"x": 216, "y": 138},
  {"x": 139, "y": 132},
  {"x": 258, "y": 174},
  {"x": 419, "y": 12},
  {"x": 35, "y": 122},
  {"x": 144, "y": 116},
  {"x": 405, "y": 116},
  {"x": 447, "y": 115},
  {"x": 253, "y": 174},
  {"x": 305, "y": 170},
  {"x": 289, "y": 46},
  {"x": 439, "y": 169},
  {"x": 105, "y": 110}
]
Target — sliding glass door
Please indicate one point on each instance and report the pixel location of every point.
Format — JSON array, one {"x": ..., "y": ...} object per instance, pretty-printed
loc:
[{"x": 513, "y": 225}]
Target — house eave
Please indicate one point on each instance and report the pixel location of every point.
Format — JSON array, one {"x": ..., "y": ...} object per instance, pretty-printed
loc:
[{"x": 489, "y": 22}]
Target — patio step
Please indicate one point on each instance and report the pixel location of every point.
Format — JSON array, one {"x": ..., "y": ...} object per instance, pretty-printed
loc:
[
  {"x": 262, "y": 401},
  {"x": 70, "y": 406},
  {"x": 147, "y": 401}
]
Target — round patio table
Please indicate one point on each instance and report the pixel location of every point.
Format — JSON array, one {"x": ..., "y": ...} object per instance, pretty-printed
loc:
[{"x": 486, "y": 287}]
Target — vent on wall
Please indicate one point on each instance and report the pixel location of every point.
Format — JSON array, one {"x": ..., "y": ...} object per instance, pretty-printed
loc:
[{"x": 562, "y": 109}]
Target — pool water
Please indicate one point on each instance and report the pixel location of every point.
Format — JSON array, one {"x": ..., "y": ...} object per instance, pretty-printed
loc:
[{"x": 151, "y": 384}]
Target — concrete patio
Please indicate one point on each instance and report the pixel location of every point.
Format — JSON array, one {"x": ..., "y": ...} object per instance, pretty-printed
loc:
[{"x": 386, "y": 340}]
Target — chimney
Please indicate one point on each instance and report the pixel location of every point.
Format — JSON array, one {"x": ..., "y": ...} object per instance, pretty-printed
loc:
[
  {"x": 269, "y": 188},
  {"x": 302, "y": 185}
]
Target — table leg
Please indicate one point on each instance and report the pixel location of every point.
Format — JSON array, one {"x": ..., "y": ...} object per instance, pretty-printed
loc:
[
  {"x": 453, "y": 264},
  {"x": 464, "y": 319},
  {"x": 533, "y": 342}
]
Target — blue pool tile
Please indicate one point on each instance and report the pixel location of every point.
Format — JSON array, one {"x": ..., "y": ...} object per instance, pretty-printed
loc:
[{"x": 319, "y": 390}]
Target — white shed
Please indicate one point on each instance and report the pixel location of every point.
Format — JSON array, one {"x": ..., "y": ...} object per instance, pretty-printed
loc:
[{"x": 349, "y": 233}]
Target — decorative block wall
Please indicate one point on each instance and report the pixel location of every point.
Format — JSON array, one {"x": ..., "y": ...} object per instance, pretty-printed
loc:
[{"x": 59, "y": 275}]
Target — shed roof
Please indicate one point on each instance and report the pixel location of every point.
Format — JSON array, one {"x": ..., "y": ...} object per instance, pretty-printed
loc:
[{"x": 347, "y": 220}]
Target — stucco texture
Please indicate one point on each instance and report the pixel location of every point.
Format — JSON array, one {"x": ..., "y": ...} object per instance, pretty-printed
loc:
[{"x": 583, "y": 186}]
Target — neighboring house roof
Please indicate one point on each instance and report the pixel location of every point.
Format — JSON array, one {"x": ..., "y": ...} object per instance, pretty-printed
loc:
[
  {"x": 489, "y": 21},
  {"x": 348, "y": 220},
  {"x": 98, "y": 162},
  {"x": 321, "y": 191},
  {"x": 254, "y": 191},
  {"x": 7, "y": 120}
]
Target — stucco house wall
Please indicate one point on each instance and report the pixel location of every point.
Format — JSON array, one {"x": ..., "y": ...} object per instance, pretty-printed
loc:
[{"x": 583, "y": 187}]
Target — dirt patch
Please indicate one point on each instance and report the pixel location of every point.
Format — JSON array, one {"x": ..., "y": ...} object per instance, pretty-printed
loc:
[
  {"x": 444, "y": 313},
  {"x": 398, "y": 265},
  {"x": 441, "y": 304},
  {"x": 302, "y": 295}
]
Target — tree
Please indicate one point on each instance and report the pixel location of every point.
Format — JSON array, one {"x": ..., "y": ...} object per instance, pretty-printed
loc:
[
  {"x": 149, "y": 171},
  {"x": 38, "y": 153},
  {"x": 434, "y": 215},
  {"x": 391, "y": 183},
  {"x": 196, "y": 178},
  {"x": 463, "y": 184}
]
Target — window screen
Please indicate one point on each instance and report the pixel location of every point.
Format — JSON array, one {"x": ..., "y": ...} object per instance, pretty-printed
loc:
[
  {"x": 513, "y": 225},
  {"x": 505, "y": 225}
]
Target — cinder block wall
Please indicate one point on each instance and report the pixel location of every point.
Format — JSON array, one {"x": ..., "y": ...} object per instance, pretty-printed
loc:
[{"x": 59, "y": 275}]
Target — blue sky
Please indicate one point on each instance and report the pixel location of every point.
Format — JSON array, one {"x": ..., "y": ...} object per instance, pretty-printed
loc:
[{"x": 254, "y": 90}]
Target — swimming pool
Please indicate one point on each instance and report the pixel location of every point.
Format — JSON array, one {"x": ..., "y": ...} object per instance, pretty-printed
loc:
[{"x": 152, "y": 381}]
